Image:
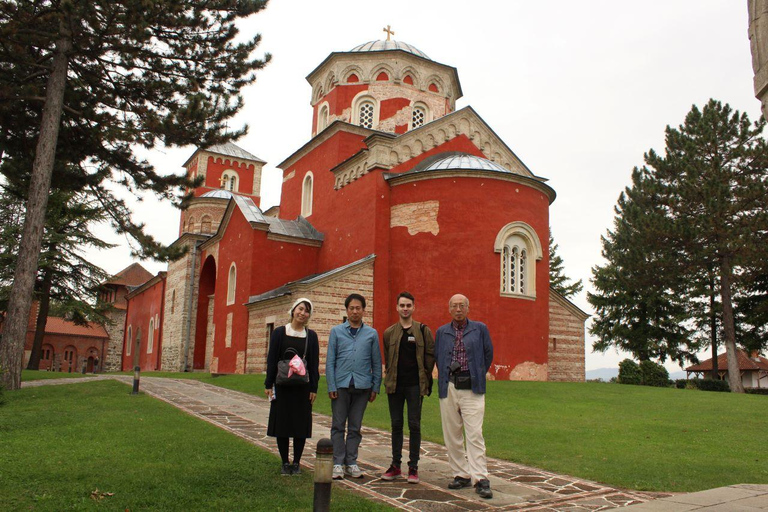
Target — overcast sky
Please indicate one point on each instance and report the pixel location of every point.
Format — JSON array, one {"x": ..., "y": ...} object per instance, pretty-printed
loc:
[{"x": 578, "y": 90}]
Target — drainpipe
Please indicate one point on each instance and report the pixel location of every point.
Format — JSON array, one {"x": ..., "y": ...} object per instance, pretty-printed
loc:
[{"x": 190, "y": 289}]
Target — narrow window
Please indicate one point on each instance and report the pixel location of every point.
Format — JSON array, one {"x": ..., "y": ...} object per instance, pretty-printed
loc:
[
  {"x": 231, "y": 284},
  {"x": 230, "y": 180},
  {"x": 173, "y": 301},
  {"x": 519, "y": 248},
  {"x": 322, "y": 119},
  {"x": 306, "y": 195},
  {"x": 205, "y": 224},
  {"x": 128, "y": 343},
  {"x": 365, "y": 114},
  {"x": 151, "y": 336}
]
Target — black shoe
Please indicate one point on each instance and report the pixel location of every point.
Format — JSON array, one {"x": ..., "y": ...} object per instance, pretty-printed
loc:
[
  {"x": 286, "y": 470},
  {"x": 483, "y": 488},
  {"x": 295, "y": 469},
  {"x": 459, "y": 483}
]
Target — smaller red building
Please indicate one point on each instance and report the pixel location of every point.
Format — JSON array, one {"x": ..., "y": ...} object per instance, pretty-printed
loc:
[{"x": 143, "y": 324}]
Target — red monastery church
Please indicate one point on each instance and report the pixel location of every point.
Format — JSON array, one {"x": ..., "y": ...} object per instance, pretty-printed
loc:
[{"x": 396, "y": 190}]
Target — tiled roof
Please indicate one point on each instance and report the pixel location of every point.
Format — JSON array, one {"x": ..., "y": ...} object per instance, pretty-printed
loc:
[
  {"x": 57, "y": 325},
  {"x": 230, "y": 149},
  {"x": 288, "y": 288},
  {"x": 132, "y": 275},
  {"x": 299, "y": 228},
  {"x": 745, "y": 363}
]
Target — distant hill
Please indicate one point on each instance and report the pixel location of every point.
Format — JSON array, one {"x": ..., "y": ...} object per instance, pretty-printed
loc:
[{"x": 607, "y": 374}]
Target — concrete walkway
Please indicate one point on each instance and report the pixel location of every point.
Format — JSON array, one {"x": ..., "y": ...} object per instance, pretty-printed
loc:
[{"x": 515, "y": 487}]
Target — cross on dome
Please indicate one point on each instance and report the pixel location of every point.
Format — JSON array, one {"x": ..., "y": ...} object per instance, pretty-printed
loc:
[{"x": 389, "y": 31}]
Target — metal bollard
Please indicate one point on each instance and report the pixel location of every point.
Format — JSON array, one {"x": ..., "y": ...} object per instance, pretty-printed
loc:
[
  {"x": 323, "y": 475},
  {"x": 136, "y": 372}
]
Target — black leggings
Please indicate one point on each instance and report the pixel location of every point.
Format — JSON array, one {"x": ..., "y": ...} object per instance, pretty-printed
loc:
[{"x": 298, "y": 448}]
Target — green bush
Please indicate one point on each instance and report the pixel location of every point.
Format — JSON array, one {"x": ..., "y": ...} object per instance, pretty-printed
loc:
[
  {"x": 703, "y": 384},
  {"x": 629, "y": 372},
  {"x": 653, "y": 374},
  {"x": 756, "y": 391}
]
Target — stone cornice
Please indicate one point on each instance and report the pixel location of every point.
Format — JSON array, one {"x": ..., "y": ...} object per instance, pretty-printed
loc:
[
  {"x": 294, "y": 240},
  {"x": 401, "y": 179},
  {"x": 386, "y": 152}
]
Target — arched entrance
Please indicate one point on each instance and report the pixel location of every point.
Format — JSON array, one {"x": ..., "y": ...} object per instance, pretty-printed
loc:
[{"x": 204, "y": 301}]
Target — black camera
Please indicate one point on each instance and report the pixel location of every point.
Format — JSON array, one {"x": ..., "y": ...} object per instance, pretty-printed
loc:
[{"x": 455, "y": 367}]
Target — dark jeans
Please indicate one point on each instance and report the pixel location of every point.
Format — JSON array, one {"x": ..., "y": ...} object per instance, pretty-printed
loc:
[
  {"x": 348, "y": 410},
  {"x": 397, "y": 400}
]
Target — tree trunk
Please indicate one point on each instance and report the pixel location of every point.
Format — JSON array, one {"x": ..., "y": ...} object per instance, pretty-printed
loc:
[
  {"x": 42, "y": 319},
  {"x": 713, "y": 332},
  {"x": 20, "y": 299},
  {"x": 734, "y": 375}
]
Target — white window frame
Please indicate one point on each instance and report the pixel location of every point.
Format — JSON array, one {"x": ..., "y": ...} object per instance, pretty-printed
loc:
[
  {"x": 517, "y": 270},
  {"x": 358, "y": 102},
  {"x": 151, "y": 336},
  {"x": 427, "y": 115},
  {"x": 230, "y": 180},
  {"x": 231, "y": 284},
  {"x": 323, "y": 114},
  {"x": 307, "y": 194}
]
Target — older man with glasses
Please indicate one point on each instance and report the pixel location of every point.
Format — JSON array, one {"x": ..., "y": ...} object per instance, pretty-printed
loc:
[{"x": 464, "y": 353}]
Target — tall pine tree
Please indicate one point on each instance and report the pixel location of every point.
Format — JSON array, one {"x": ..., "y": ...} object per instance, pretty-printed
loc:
[
  {"x": 636, "y": 305},
  {"x": 714, "y": 182},
  {"x": 106, "y": 76}
]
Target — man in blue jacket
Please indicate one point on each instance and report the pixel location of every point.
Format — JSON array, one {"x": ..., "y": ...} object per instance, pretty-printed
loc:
[
  {"x": 464, "y": 353},
  {"x": 353, "y": 374}
]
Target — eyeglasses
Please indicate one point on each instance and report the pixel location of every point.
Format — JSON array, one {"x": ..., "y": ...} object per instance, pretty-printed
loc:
[{"x": 461, "y": 306}]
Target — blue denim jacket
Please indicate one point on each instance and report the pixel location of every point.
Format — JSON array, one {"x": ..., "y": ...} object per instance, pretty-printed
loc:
[
  {"x": 358, "y": 355},
  {"x": 477, "y": 343}
]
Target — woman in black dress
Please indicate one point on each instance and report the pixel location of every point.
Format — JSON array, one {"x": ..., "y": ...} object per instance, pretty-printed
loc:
[{"x": 290, "y": 413}]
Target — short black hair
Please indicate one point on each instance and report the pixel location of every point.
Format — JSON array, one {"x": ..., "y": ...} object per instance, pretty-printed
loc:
[
  {"x": 405, "y": 295},
  {"x": 354, "y": 296}
]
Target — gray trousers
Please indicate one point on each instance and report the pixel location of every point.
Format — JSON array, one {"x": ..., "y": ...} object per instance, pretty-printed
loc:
[{"x": 348, "y": 410}]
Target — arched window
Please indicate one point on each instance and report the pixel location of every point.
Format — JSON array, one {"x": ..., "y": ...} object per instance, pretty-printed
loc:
[
  {"x": 382, "y": 77},
  {"x": 352, "y": 79},
  {"x": 419, "y": 116},
  {"x": 365, "y": 113},
  {"x": 408, "y": 80},
  {"x": 173, "y": 301},
  {"x": 519, "y": 246},
  {"x": 230, "y": 180},
  {"x": 322, "y": 119},
  {"x": 205, "y": 224},
  {"x": 128, "y": 339},
  {"x": 232, "y": 284},
  {"x": 191, "y": 225},
  {"x": 306, "y": 195},
  {"x": 151, "y": 336}
]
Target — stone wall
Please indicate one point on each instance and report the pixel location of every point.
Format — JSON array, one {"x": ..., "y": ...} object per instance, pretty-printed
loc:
[
  {"x": 327, "y": 295},
  {"x": 114, "y": 351},
  {"x": 566, "y": 340},
  {"x": 182, "y": 280}
]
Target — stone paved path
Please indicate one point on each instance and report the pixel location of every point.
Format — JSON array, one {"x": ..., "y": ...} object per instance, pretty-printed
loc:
[{"x": 515, "y": 487}]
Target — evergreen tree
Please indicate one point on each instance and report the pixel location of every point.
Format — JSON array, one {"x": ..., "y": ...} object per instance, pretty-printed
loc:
[
  {"x": 714, "y": 183},
  {"x": 66, "y": 280},
  {"x": 105, "y": 76},
  {"x": 557, "y": 278},
  {"x": 637, "y": 308}
]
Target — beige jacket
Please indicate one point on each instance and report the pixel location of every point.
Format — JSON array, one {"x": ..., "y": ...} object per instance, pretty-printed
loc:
[{"x": 425, "y": 356}]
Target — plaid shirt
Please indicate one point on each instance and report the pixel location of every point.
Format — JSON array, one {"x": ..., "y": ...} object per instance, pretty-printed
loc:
[{"x": 459, "y": 351}]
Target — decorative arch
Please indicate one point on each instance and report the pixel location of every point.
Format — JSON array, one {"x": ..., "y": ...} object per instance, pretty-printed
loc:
[
  {"x": 330, "y": 81},
  {"x": 205, "y": 224},
  {"x": 420, "y": 115},
  {"x": 307, "y": 194},
  {"x": 434, "y": 83},
  {"x": 520, "y": 248},
  {"x": 382, "y": 68},
  {"x": 191, "y": 224},
  {"x": 365, "y": 110},
  {"x": 413, "y": 73},
  {"x": 317, "y": 94},
  {"x": 352, "y": 74}
]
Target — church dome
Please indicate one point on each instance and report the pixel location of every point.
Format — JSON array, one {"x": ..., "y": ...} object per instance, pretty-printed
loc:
[
  {"x": 380, "y": 46},
  {"x": 218, "y": 194},
  {"x": 465, "y": 161}
]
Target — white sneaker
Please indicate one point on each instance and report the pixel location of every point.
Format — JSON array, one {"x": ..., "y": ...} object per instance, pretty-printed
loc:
[
  {"x": 354, "y": 471},
  {"x": 338, "y": 472}
]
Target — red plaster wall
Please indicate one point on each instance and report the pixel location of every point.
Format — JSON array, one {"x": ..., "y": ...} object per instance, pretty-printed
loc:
[
  {"x": 216, "y": 167},
  {"x": 461, "y": 259},
  {"x": 339, "y": 98},
  {"x": 147, "y": 304}
]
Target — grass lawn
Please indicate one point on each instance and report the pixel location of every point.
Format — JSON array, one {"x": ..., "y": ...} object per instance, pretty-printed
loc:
[
  {"x": 628, "y": 436},
  {"x": 28, "y": 375},
  {"x": 62, "y": 443}
]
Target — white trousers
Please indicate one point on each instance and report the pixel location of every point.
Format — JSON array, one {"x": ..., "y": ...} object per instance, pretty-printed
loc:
[{"x": 462, "y": 414}]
